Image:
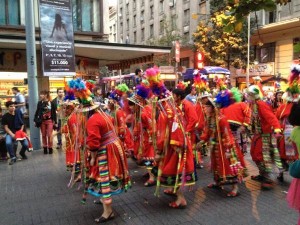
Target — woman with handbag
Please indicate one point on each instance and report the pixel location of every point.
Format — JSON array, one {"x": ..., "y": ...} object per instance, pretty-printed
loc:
[{"x": 45, "y": 118}]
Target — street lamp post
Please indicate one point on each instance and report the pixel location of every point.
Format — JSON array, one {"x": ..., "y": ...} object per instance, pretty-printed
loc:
[{"x": 248, "y": 53}]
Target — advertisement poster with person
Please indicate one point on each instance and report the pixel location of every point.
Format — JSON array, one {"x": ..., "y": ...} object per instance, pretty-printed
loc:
[{"x": 57, "y": 38}]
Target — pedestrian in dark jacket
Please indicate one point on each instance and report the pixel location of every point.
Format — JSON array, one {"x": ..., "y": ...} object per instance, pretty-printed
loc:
[{"x": 45, "y": 118}]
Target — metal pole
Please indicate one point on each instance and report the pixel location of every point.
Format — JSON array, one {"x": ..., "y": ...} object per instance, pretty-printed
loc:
[
  {"x": 31, "y": 72},
  {"x": 248, "y": 53}
]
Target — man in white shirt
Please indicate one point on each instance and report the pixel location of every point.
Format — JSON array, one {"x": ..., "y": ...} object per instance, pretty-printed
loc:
[{"x": 20, "y": 102}]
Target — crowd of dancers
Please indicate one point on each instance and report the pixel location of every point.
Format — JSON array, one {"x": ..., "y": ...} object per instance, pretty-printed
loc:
[{"x": 171, "y": 132}]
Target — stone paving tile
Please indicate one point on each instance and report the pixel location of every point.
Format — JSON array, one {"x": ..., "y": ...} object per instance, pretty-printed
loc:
[{"x": 35, "y": 192}]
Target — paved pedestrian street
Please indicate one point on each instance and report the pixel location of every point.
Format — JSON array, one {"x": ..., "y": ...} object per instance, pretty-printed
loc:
[{"x": 35, "y": 191}]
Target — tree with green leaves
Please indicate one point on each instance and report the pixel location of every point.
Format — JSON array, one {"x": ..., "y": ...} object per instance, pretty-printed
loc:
[
  {"x": 238, "y": 10},
  {"x": 221, "y": 47}
]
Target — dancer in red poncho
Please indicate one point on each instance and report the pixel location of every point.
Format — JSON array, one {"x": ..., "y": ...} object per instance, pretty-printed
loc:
[
  {"x": 174, "y": 154},
  {"x": 105, "y": 165},
  {"x": 226, "y": 159},
  {"x": 106, "y": 162},
  {"x": 263, "y": 145},
  {"x": 142, "y": 132},
  {"x": 119, "y": 117},
  {"x": 287, "y": 148}
]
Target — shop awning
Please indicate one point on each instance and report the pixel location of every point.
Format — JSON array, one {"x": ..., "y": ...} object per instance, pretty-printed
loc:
[{"x": 107, "y": 53}]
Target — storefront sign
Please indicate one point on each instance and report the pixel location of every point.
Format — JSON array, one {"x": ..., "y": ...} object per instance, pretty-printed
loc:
[
  {"x": 57, "y": 38},
  {"x": 262, "y": 69},
  {"x": 12, "y": 60},
  {"x": 167, "y": 69},
  {"x": 87, "y": 67}
]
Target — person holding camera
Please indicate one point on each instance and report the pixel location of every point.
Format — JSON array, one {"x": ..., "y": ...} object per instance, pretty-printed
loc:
[{"x": 45, "y": 118}]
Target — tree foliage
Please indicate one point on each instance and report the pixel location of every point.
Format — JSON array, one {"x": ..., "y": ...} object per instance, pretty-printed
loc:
[
  {"x": 240, "y": 9},
  {"x": 221, "y": 47}
]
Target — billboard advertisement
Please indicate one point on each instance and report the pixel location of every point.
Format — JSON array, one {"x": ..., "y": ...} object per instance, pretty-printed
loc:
[{"x": 57, "y": 38}]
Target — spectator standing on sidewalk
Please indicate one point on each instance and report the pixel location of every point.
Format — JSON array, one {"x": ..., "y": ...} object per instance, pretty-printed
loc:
[
  {"x": 57, "y": 103},
  {"x": 8, "y": 121},
  {"x": 20, "y": 102},
  {"x": 45, "y": 118}
]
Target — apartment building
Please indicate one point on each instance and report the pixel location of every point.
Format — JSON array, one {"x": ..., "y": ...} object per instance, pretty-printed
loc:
[
  {"x": 143, "y": 21},
  {"x": 113, "y": 23},
  {"x": 277, "y": 42}
]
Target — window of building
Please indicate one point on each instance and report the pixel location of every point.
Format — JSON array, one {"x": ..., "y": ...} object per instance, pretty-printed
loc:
[
  {"x": 86, "y": 16},
  {"x": 134, "y": 21},
  {"x": 143, "y": 3},
  {"x": 172, "y": 3},
  {"x": 266, "y": 53},
  {"x": 134, "y": 4},
  {"x": 296, "y": 48},
  {"x": 161, "y": 27},
  {"x": 151, "y": 30},
  {"x": 127, "y": 23},
  {"x": 121, "y": 13},
  {"x": 10, "y": 12},
  {"x": 185, "y": 62},
  {"x": 142, "y": 16},
  {"x": 134, "y": 36},
  {"x": 110, "y": 29},
  {"x": 271, "y": 17},
  {"x": 121, "y": 27},
  {"x": 161, "y": 6},
  {"x": 114, "y": 28},
  {"x": 186, "y": 17},
  {"x": 127, "y": 9},
  {"x": 143, "y": 34},
  {"x": 202, "y": 11},
  {"x": 151, "y": 12},
  {"x": 173, "y": 22},
  {"x": 115, "y": 38}
]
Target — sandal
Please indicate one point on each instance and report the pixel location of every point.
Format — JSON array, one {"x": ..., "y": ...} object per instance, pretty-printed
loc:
[
  {"x": 257, "y": 178},
  {"x": 267, "y": 185},
  {"x": 232, "y": 194},
  {"x": 174, "y": 205},
  {"x": 103, "y": 219},
  {"x": 150, "y": 183},
  {"x": 215, "y": 186},
  {"x": 169, "y": 192}
]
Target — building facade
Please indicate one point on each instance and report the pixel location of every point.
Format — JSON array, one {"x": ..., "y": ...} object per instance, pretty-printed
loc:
[
  {"x": 91, "y": 47},
  {"x": 89, "y": 18},
  {"x": 145, "y": 21},
  {"x": 113, "y": 23},
  {"x": 277, "y": 42}
]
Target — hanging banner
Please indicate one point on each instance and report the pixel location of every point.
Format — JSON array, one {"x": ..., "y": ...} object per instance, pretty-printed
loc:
[{"x": 57, "y": 38}]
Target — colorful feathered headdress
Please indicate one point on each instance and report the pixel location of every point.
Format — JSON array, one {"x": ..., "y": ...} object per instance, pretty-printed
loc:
[
  {"x": 182, "y": 85},
  {"x": 294, "y": 80},
  {"x": 227, "y": 97},
  {"x": 156, "y": 85},
  {"x": 255, "y": 92},
  {"x": 119, "y": 91},
  {"x": 200, "y": 83},
  {"x": 143, "y": 92},
  {"x": 220, "y": 84},
  {"x": 82, "y": 91},
  {"x": 70, "y": 95}
]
